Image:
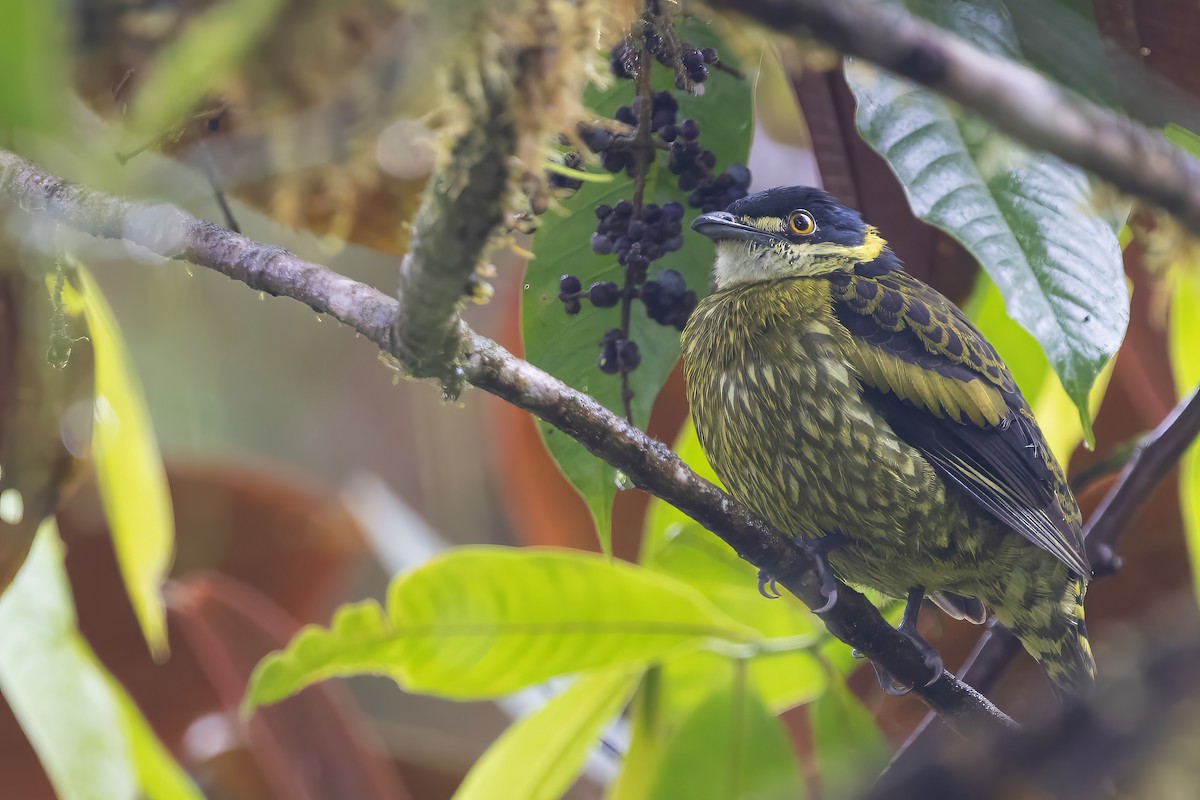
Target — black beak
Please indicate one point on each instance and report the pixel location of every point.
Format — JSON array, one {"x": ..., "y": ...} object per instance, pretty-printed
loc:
[{"x": 719, "y": 225}]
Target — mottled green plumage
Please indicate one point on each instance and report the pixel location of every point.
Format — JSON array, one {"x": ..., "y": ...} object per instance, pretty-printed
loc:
[{"x": 836, "y": 394}]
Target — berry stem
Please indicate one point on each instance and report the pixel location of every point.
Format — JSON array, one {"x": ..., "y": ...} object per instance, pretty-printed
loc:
[{"x": 643, "y": 154}]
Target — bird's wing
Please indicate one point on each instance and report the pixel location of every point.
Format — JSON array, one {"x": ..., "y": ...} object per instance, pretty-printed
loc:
[{"x": 945, "y": 391}]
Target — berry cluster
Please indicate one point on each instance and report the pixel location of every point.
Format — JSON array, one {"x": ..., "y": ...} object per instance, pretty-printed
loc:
[
  {"x": 693, "y": 65},
  {"x": 667, "y": 299},
  {"x": 618, "y": 354},
  {"x": 638, "y": 239},
  {"x": 638, "y": 234}
]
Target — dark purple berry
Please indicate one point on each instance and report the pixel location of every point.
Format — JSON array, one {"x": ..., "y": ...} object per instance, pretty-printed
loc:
[
  {"x": 625, "y": 114},
  {"x": 603, "y": 210},
  {"x": 628, "y": 355},
  {"x": 709, "y": 55},
  {"x": 692, "y": 59},
  {"x": 673, "y": 244},
  {"x": 601, "y": 245},
  {"x": 739, "y": 174},
  {"x": 572, "y": 306},
  {"x": 569, "y": 284},
  {"x": 623, "y": 208},
  {"x": 688, "y": 181},
  {"x": 637, "y": 231},
  {"x": 668, "y": 133},
  {"x": 707, "y": 159},
  {"x": 604, "y": 295},
  {"x": 608, "y": 361},
  {"x": 598, "y": 139},
  {"x": 689, "y": 129},
  {"x": 673, "y": 211}
]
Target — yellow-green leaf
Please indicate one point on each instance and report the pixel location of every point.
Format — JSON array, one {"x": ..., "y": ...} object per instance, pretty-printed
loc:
[
  {"x": 1185, "y": 363},
  {"x": 158, "y": 773},
  {"x": 482, "y": 622},
  {"x": 129, "y": 467},
  {"x": 539, "y": 757},
  {"x": 88, "y": 734}
]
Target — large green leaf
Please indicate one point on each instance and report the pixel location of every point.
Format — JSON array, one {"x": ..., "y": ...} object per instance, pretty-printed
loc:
[
  {"x": 849, "y": 748},
  {"x": 729, "y": 747},
  {"x": 538, "y": 757},
  {"x": 129, "y": 466},
  {"x": 567, "y": 346},
  {"x": 481, "y": 622},
  {"x": 1026, "y": 217},
  {"x": 89, "y": 735},
  {"x": 1185, "y": 363}
]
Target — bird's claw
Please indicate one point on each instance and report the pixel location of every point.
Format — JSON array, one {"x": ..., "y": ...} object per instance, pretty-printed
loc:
[
  {"x": 932, "y": 660},
  {"x": 767, "y": 586}
]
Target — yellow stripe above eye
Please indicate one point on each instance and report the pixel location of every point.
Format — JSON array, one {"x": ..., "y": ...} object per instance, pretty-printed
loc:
[{"x": 768, "y": 224}]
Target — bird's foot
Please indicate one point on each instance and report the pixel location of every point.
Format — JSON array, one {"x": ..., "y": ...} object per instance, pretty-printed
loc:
[
  {"x": 933, "y": 662},
  {"x": 908, "y": 627},
  {"x": 767, "y": 586},
  {"x": 821, "y": 547}
]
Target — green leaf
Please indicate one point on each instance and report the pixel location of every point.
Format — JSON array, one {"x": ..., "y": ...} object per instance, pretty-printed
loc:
[
  {"x": 1026, "y": 217},
  {"x": 481, "y": 622},
  {"x": 129, "y": 467},
  {"x": 539, "y": 757},
  {"x": 209, "y": 50},
  {"x": 847, "y": 744},
  {"x": 729, "y": 747},
  {"x": 35, "y": 60},
  {"x": 1183, "y": 334},
  {"x": 158, "y": 773},
  {"x": 89, "y": 736},
  {"x": 567, "y": 346}
]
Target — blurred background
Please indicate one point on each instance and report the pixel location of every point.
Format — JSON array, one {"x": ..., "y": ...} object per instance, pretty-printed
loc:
[{"x": 304, "y": 473}]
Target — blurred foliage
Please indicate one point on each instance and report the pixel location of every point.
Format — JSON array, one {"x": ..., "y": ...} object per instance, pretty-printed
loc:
[
  {"x": 567, "y": 346},
  {"x": 90, "y": 737},
  {"x": 33, "y": 99},
  {"x": 129, "y": 467},
  {"x": 1026, "y": 217},
  {"x": 538, "y": 757}
]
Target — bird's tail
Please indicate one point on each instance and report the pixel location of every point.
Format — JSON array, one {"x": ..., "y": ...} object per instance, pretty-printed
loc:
[{"x": 1058, "y": 641}]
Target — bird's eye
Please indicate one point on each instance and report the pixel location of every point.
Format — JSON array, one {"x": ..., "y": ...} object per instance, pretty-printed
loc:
[{"x": 801, "y": 223}]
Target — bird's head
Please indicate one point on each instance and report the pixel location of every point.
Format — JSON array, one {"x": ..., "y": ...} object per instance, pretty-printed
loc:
[{"x": 787, "y": 232}]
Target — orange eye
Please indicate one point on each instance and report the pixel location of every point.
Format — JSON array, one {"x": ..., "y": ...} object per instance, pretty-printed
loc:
[{"x": 801, "y": 222}]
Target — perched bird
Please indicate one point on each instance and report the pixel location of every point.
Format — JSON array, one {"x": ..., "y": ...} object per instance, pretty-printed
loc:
[{"x": 846, "y": 401}]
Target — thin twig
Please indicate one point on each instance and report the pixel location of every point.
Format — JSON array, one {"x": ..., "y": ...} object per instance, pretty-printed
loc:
[{"x": 650, "y": 464}]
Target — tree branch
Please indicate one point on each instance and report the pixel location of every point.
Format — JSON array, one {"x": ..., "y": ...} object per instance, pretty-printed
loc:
[
  {"x": 172, "y": 233},
  {"x": 1012, "y": 97}
]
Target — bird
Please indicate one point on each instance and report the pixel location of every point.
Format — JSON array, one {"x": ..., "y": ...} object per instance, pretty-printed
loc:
[{"x": 855, "y": 407}]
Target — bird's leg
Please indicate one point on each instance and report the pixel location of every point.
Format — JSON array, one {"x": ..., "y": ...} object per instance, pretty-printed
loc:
[
  {"x": 908, "y": 626},
  {"x": 820, "y": 547}
]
